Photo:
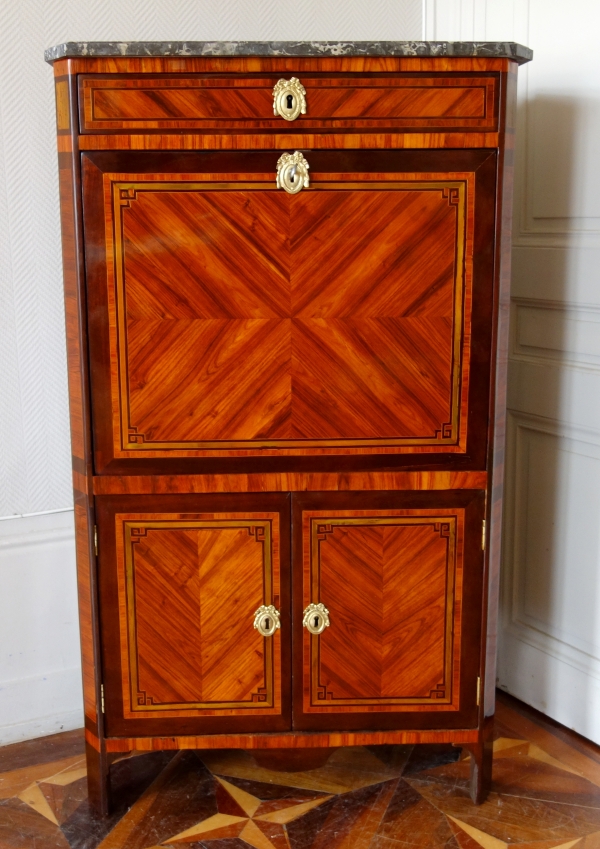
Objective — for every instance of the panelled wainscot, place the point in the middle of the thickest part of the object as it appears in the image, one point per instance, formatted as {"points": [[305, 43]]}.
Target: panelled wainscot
{"points": [[286, 284]]}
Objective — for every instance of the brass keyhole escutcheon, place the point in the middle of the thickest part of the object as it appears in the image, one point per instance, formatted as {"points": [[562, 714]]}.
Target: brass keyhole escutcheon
{"points": [[289, 99], [292, 172], [316, 618], [266, 620]]}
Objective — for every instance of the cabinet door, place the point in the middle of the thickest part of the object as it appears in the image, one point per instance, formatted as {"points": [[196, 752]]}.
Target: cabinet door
{"points": [[229, 319], [400, 578], [181, 579]]}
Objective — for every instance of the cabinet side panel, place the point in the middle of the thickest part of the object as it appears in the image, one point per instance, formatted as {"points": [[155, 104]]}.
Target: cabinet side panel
{"points": [[85, 591], [75, 307], [497, 438]]}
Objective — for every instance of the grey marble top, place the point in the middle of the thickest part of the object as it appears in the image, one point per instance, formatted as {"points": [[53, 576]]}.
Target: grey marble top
{"points": [[490, 49]]}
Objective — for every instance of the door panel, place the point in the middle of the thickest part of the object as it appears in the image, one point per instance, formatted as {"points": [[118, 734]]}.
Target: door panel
{"points": [[229, 319], [181, 580], [400, 576]]}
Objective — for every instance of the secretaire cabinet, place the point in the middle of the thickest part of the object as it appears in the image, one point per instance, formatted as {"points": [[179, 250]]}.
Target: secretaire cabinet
{"points": [[286, 283]]}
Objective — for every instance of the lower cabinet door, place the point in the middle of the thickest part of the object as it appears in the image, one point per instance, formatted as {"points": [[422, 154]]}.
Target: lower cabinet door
{"points": [[387, 609], [182, 579]]}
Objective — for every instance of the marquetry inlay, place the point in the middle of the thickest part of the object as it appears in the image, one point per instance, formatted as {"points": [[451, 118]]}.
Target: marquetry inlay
{"points": [[244, 320], [392, 581]]}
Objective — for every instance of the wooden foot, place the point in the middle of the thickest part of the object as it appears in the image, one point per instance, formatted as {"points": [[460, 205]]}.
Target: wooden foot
{"points": [[481, 764], [98, 781], [291, 760], [481, 772]]}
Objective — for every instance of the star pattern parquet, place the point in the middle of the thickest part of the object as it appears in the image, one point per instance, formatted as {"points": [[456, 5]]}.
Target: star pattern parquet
{"points": [[545, 795]]}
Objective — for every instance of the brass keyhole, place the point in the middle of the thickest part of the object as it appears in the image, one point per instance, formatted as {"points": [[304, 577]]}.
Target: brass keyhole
{"points": [[266, 620], [292, 172], [289, 99], [316, 618]]}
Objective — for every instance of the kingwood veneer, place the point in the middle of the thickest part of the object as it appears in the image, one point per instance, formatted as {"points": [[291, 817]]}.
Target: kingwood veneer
{"points": [[281, 399]]}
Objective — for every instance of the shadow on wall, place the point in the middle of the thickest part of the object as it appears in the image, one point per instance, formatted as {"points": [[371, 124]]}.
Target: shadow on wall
{"points": [[551, 571]]}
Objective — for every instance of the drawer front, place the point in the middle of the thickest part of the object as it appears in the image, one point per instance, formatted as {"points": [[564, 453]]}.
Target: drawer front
{"points": [[182, 579], [230, 319], [408, 102], [400, 577]]}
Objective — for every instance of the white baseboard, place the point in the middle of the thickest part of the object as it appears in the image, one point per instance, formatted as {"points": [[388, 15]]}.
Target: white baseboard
{"points": [[40, 669]]}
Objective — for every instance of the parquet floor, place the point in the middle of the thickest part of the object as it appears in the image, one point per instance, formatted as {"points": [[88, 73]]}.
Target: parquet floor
{"points": [[546, 795]]}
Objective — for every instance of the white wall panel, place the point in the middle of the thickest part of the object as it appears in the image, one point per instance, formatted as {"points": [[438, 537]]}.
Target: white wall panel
{"points": [[567, 274], [560, 126], [566, 128], [549, 680], [558, 593], [557, 332], [555, 390], [550, 642]]}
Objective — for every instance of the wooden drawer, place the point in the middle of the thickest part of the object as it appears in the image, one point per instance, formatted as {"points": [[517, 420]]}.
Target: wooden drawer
{"points": [[408, 102]]}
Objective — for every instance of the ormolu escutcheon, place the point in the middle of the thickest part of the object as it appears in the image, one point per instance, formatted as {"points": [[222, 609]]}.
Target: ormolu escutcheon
{"points": [[292, 172], [266, 620], [289, 99], [316, 618]]}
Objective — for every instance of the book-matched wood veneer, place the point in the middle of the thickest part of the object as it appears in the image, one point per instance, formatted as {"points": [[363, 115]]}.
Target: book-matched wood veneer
{"points": [[184, 577], [397, 573], [229, 345]]}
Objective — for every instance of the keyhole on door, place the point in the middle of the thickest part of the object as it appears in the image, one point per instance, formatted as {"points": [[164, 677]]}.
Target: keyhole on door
{"points": [[317, 622], [290, 101], [267, 624]]}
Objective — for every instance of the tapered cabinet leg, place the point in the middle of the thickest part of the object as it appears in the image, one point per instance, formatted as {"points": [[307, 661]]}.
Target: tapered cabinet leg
{"points": [[98, 780], [481, 771], [481, 764]]}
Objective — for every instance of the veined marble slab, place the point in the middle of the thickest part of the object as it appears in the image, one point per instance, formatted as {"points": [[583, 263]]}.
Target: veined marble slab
{"points": [[488, 49]]}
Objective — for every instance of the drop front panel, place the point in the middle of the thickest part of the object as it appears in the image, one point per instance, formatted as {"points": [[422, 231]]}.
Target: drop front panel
{"points": [[239, 320]]}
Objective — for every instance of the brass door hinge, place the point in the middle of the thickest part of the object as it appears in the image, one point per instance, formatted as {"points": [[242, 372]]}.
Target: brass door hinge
{"points": [[102, 698], [478, 691], [96, 540], [483, 536]]}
